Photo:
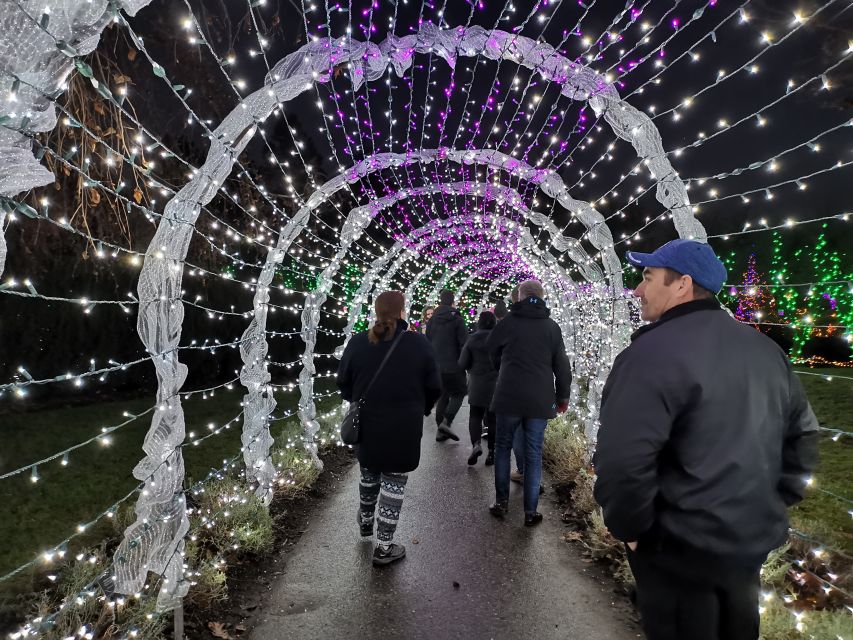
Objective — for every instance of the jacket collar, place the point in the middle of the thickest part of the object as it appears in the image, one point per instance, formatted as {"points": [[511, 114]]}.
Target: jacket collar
{"points": [[706, 304], [531, 307], [402, 325]]}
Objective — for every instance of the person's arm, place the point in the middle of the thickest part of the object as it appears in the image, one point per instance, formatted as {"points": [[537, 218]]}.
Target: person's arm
{"points": [[461, 333], [635, 425], [432, 380], [800, 448], [345, 375], [466, 359], [428, 329], [495, 343], [562, 369]]}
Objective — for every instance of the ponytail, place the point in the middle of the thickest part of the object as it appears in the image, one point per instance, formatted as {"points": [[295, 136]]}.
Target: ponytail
{"points": [[389, 305], [382, 330]]}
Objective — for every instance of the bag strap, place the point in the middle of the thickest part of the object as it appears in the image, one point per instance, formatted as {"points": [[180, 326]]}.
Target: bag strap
{"points": [[381, 365]]}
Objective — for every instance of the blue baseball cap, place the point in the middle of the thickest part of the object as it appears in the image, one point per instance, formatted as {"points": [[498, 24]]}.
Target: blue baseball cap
{"points": [[689, 258]]}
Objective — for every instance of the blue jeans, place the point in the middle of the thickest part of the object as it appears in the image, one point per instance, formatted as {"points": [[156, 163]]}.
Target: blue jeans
{"points": [[533, 432], [518, 450]]}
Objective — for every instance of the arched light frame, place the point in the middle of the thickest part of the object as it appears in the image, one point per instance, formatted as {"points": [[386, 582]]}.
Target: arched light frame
{"points": [[155, 540]]}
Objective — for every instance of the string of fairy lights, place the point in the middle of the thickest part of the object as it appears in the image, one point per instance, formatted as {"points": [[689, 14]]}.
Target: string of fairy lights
{"points": [[444, 251], [690, 100], [103, 437], [197, 118], [556, 161], [390, 110], [34, 626], [133, 205], [58, 550], [799, 181], [296, 144], [476, 64]]}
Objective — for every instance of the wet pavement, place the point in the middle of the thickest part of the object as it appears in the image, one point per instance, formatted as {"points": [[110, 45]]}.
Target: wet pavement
{"points": [[466, 575]]}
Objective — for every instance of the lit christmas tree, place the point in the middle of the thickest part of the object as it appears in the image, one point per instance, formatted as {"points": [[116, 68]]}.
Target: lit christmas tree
{"points": [[828, 302], [825, 308], [755, 303]]}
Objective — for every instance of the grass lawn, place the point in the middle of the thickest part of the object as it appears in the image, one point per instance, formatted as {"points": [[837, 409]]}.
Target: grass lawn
{"points": [[825, 517], [37, 516]]}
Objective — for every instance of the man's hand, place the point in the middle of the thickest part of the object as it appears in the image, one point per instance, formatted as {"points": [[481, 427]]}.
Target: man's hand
{"points": [[632, 545], [562, 406]]}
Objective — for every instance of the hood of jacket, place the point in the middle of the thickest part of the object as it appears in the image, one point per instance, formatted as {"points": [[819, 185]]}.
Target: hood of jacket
{"points": [[531, 307], [444, 314], [479, 337]]}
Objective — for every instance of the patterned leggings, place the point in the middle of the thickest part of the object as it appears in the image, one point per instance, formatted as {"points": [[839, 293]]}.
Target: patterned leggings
{"points": [[389, 488]]}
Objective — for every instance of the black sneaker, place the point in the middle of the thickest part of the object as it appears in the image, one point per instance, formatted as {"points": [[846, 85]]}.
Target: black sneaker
{"points": [[499, 509], [532, 519], [444, 430], [490, 458], [440, 436], [366, 528], [476, 452], [388, 555]]}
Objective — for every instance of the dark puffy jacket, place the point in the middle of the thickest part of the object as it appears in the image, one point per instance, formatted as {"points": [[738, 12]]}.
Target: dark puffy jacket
{"points": [[482, 376], [392, 415], [534, 373], [706, 436], [447, 332]]}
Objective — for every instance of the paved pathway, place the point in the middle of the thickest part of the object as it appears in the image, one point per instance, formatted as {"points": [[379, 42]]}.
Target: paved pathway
{"points": [[468, 576]]}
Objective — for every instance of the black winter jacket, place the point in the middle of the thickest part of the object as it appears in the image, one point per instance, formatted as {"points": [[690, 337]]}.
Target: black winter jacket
{"points": [[534, 373], [392, 414], [482, 375], [447, 332], [706, 436]]}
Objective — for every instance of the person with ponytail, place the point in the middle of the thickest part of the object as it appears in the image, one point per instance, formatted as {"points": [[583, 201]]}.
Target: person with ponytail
{"points": [[391, 415]]}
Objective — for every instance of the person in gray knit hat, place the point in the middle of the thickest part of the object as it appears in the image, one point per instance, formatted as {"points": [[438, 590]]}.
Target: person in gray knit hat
{"points": [[533, 384]]}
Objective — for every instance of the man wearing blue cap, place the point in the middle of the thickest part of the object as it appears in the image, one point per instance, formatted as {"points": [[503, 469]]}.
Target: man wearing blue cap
{"points": [[706, 438]]}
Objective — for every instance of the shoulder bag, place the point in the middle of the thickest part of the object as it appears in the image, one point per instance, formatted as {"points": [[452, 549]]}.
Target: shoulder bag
{"points": [[350, 428]]}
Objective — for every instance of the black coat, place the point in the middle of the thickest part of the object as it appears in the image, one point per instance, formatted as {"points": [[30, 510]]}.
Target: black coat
{"points": [[447, 332], [482, 376], [706, 436], [534, 372], [392, 415]]}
